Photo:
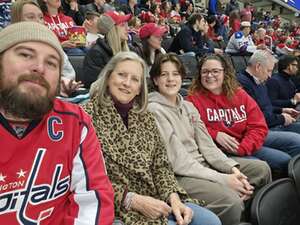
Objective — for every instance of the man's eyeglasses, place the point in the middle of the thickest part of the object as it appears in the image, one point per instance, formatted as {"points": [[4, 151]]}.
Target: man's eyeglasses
{"points": [[214, 72]]}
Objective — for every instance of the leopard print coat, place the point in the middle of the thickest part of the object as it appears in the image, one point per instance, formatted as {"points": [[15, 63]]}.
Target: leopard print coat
{"points": [[135, 158]]}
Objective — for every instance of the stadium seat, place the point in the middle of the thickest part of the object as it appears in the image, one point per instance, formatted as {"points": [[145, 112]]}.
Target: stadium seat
{"points": [[191, 65], [276, 204], [238, 62], [77, 63], [166, 43], [294, 171], [247, 59]]}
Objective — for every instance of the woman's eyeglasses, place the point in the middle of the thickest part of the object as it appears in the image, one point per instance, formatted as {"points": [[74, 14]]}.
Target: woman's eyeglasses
{"points": [[214, 72]]}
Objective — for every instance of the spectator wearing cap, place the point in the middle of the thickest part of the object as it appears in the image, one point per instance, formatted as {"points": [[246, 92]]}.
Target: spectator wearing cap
{"points": [[241, 42], [151, 36], [115, 30]]}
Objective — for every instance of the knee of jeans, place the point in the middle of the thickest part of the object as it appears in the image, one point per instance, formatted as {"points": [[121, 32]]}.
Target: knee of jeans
{"points": [[204, 216]]}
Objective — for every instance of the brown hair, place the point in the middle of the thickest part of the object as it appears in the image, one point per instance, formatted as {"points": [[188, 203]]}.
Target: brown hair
{"points": [[235, 14], [230, 84], [163, 58], [17, 9]]}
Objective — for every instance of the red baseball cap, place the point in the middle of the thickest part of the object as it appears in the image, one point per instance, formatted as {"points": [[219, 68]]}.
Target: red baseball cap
{"points": [[117, 17], [152, 29]]}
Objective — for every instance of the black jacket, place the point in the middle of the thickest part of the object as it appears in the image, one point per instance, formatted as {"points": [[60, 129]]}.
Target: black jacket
{"points": [[189, 40], [95, 60], [127, 10], [77, 16], [259, 93], [281, 89]]}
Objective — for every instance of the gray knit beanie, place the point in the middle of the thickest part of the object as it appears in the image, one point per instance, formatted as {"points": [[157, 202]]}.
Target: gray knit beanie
{"points": [[29, 31], [105, 24]]}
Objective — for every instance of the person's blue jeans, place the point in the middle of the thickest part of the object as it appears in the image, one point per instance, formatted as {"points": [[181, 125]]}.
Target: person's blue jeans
{"points": [[276, 159], [288, 142], [75, 51], [202, 216], [293, 127], [279, 147]]}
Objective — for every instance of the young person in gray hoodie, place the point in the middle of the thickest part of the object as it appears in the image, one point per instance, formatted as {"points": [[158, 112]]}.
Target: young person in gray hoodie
{"points": [[201, 168]]}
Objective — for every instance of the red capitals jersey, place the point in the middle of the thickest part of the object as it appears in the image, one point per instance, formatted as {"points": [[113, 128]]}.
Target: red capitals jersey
{"points": [[55, 173], [59, 24]]}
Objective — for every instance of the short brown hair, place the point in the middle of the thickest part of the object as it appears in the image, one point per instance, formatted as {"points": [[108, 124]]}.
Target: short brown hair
{"points": [[230, 83], [163, 58]]}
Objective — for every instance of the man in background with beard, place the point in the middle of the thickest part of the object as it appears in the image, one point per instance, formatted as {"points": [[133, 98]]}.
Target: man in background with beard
{"points": [[51, 165]]}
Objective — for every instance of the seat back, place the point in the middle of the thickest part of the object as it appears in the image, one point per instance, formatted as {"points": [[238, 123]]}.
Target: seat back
{"points": [[166, 43], [276, 204], [190, 64], [77, 63], [238, 62], [294, 172]]}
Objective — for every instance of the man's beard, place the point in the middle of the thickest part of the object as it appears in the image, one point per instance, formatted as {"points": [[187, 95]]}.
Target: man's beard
{"points": [[25, 105]]}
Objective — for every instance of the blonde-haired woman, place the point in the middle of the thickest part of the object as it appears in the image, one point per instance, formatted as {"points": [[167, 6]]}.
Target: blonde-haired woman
{"points": [[146, 191], [114, 27]]}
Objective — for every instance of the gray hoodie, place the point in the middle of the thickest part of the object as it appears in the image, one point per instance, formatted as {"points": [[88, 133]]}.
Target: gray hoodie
{"points": [[191, 151]]}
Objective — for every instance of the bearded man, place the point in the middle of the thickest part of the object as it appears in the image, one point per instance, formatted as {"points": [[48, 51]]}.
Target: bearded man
{"points": [[51, 165]]}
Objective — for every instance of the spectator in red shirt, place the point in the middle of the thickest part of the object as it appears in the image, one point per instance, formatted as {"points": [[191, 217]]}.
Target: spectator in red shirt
{"points": [[59, 23], [234, 22], [260, 38], [276, 22], [165, 9], [212, 33], [175, 14]]}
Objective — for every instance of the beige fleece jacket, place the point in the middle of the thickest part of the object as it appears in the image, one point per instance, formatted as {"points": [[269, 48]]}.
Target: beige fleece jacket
{"points": [[190, 148]]}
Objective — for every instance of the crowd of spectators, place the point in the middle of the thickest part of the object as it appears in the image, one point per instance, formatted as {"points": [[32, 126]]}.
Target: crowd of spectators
{"points": [[227, 24]]}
